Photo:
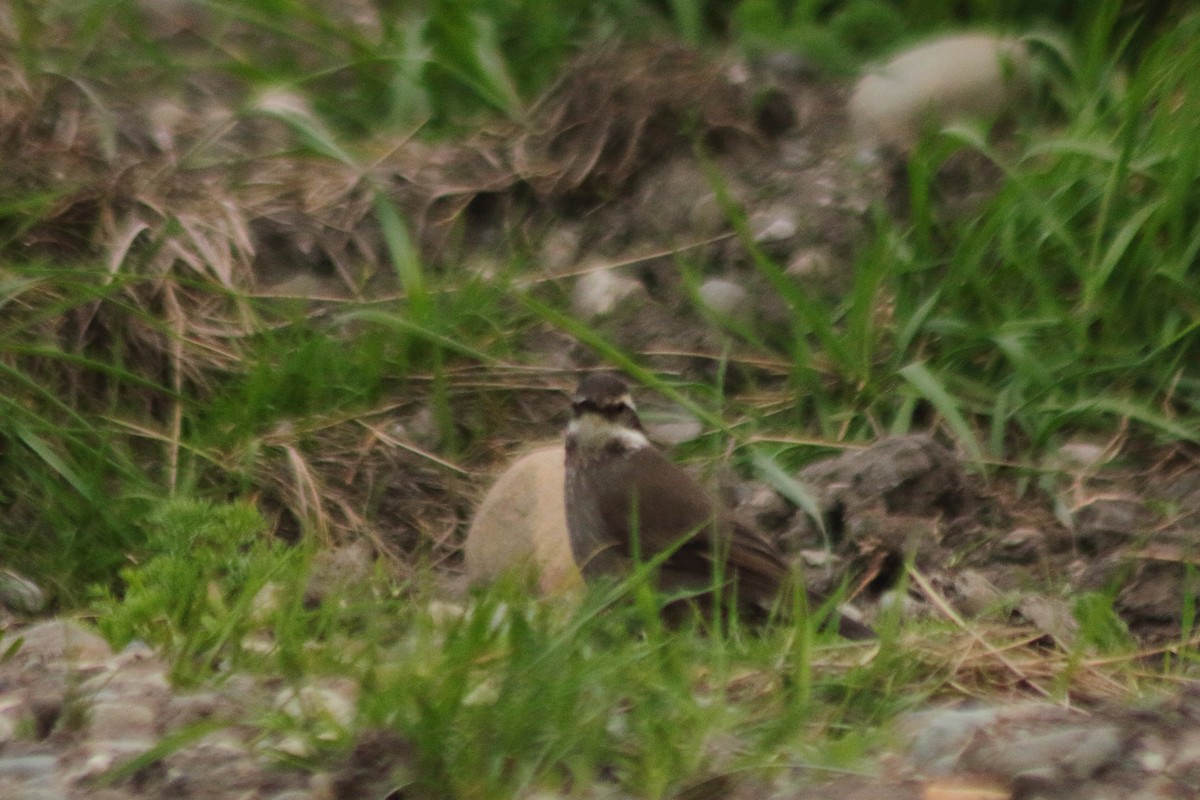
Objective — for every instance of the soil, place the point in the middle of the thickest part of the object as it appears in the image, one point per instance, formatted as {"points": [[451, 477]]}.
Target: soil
{"points": [[608, 183]]}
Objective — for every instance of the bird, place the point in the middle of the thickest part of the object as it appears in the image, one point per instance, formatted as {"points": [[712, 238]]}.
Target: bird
{"points": [[627, 502]]}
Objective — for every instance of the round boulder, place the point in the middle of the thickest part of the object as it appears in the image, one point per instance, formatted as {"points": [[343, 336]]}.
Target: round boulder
{"points": [[522, 525]]}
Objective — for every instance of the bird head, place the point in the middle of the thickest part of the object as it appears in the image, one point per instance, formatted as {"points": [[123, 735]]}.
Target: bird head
{"points": [[604, 417]]}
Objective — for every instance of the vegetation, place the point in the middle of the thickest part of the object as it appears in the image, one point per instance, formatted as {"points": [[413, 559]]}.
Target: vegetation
{"points": [[172, 441]]}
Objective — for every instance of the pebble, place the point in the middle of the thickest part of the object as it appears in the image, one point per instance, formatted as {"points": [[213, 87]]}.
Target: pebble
{"points": [[1050, 615], [45, 790], [29, 768], [766, 507], [121, 721], [772, 225], [293, 794], [560, 247], [1081, 455], [1074, 753], [810, 266], [706, 217], [975, 593], [670, 424], [1022, 546], [335, 700], [59, 640], [18, 593], [602, 291], [1106, 522], [725, 298]]}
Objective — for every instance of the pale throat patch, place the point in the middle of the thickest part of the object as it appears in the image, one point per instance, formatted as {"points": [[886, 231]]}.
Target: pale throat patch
{"points": [[592, 431]]}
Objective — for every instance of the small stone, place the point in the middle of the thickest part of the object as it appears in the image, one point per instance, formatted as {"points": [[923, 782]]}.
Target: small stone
{"points": [[265, 603], [670, 426], [321, 784], [59, 640], [18, 593], [103, 754], [38, 790], [1022, 546], [294, 745], [1152, 760], [810, 266], [725, 298], [937, 738], [706, 217], [421, 429], [602, 291], [560, 247], [28, 768], [975, 593], [336, 569], [293, 794], [187, 709], [1051, 616], [772, 226], [766, 508], [333, 699], [817, 558], [1107, 522], [121, 721], [1081, 455], [1074, 752]]}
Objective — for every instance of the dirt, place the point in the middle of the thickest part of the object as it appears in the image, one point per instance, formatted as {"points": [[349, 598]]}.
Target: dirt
{"points": [[606, 180]]}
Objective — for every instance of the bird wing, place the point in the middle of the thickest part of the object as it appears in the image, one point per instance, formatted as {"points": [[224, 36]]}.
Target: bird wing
{"points": [[667, 504], [653, 499]]}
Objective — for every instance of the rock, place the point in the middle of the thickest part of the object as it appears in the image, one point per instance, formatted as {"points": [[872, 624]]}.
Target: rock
{"points": [[1153, 594], [1081, 455], [1107, 522], [706, 217], [1022, 546], [669, 424], [560, 247], [1070, 753], [293, 794], [59, 640], [18, 593], [522, 524], [725, 298], [975, 593], [818, 273], [764, 508], [935, 738], [28, 768], [332, 699], [1052, 616], [772, 225], [602, 291], [187, 709], [948, 79], [901, 474], [338, 568], [121, 721]]}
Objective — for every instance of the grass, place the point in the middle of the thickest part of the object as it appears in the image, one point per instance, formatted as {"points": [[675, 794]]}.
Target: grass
{"points": [[175, 447]]}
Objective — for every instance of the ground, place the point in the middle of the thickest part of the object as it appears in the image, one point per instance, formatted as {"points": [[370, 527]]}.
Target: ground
{"points": [[634, 226]]}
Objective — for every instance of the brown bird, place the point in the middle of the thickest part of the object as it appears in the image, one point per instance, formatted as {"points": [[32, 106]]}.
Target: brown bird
{"points": [[626, 502]]}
